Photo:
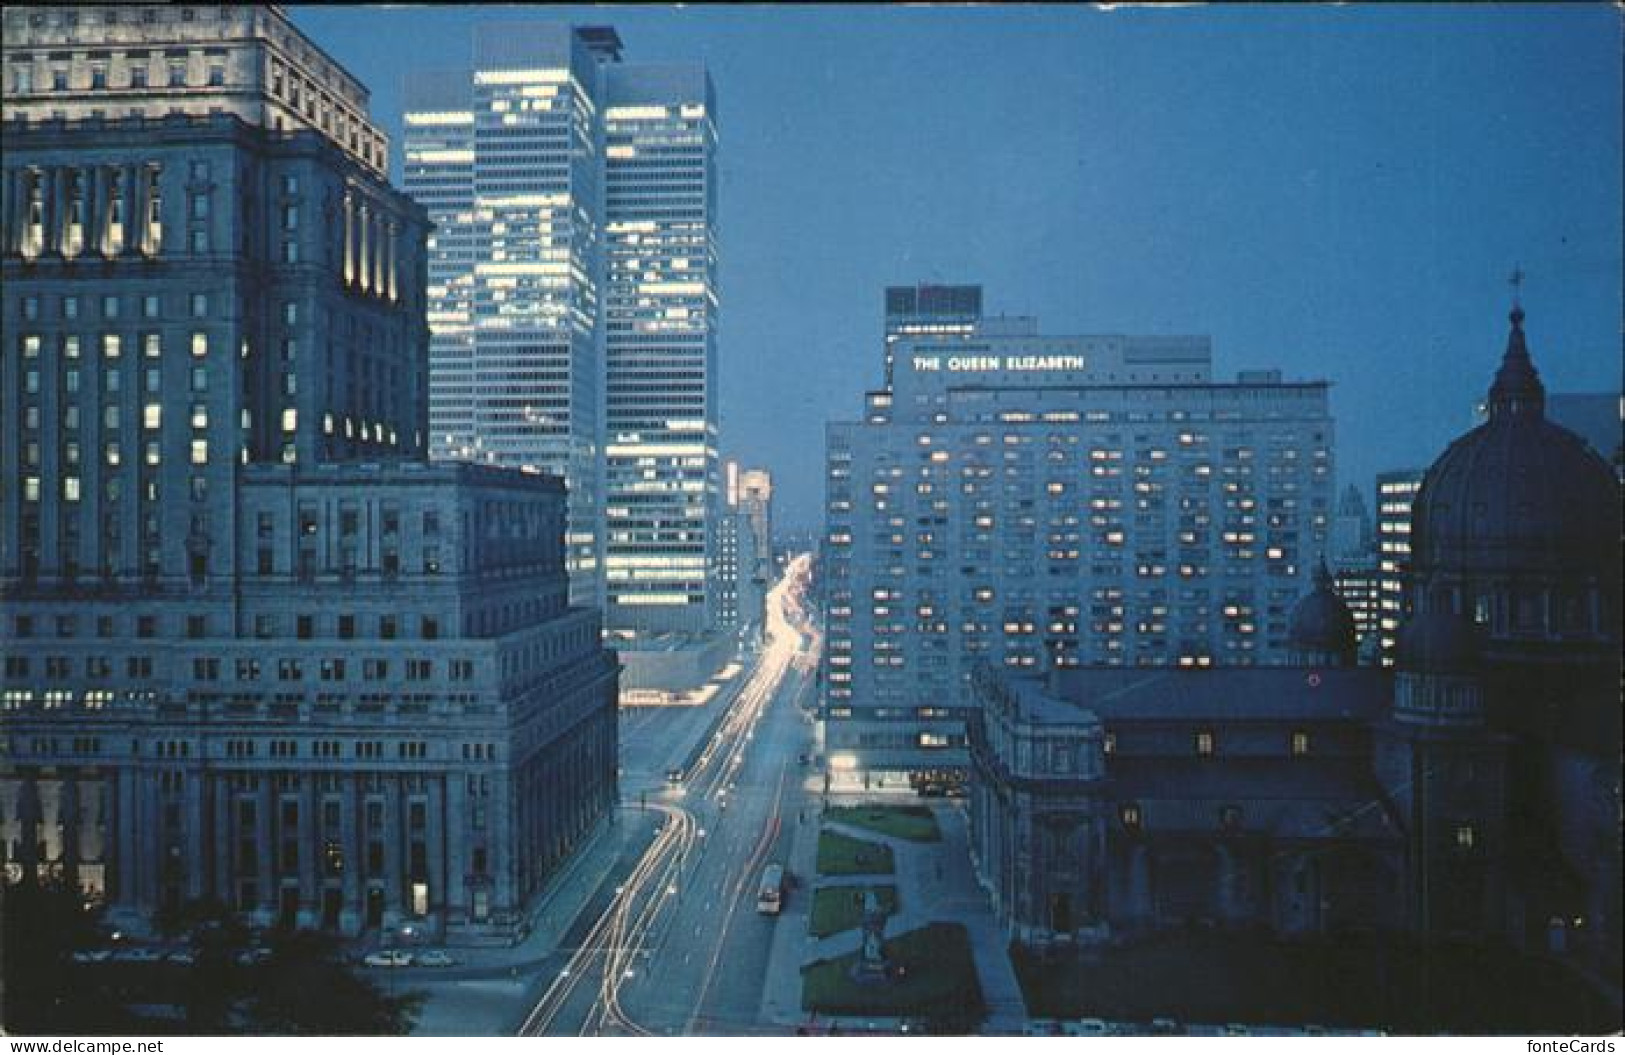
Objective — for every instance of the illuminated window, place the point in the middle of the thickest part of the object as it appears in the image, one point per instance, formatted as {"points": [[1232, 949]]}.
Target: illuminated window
{"points": [[1130, 816], [1300, 744], [1466, 837], [1204, 743]]}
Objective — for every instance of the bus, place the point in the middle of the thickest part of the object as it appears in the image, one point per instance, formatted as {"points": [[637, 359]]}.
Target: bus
{"points": [[770, 894]]}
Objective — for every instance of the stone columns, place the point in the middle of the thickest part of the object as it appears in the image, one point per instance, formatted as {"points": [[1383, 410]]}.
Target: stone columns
{"points": [[390, 243], [363, 262], [349, 238], [353, 914], [435, 845]]}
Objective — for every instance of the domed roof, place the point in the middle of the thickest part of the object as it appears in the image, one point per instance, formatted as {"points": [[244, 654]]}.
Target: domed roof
{"points": [[1440, 642], [1321, 622], [1518, 493]]}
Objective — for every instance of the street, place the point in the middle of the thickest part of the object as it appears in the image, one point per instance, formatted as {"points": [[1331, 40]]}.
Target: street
{"points": [[680, 948]]}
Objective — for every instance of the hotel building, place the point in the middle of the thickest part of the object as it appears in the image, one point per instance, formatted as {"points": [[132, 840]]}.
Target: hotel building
{"points": [[1031, 501]]}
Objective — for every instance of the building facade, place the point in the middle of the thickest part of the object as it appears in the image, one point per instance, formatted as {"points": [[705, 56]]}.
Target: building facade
{"points": [[573, 286], [662, 475], [928, 311], [1396, 492], [255, 647], [1029, 500]]}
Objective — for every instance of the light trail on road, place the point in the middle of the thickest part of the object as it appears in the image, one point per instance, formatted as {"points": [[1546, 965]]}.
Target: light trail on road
{"points": [[617, 939]]}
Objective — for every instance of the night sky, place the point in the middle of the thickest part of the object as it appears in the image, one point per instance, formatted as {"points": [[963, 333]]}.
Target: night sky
{"points": [[1338, 192]]}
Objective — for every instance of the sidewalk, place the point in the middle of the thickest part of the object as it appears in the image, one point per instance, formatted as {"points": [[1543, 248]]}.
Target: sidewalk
{"points": [[934, 883]]}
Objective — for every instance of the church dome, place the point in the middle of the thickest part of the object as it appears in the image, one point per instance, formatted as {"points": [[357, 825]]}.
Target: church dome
{"points": [[1321, 622], [1439, 642], [1518, 495]]}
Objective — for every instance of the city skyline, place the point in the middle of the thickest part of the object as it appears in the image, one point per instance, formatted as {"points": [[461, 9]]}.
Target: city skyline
{"points": [[1372, 184]]}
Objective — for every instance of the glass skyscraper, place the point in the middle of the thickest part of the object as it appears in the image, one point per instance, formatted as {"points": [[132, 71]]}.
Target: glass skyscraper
{"points": [[572, 285], [661, 475]]}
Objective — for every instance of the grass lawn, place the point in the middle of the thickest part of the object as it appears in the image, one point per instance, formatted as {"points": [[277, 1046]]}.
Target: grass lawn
{"points": [[914, 823], [838, 908], [841, 855], [1347, 983], [934, 976]]}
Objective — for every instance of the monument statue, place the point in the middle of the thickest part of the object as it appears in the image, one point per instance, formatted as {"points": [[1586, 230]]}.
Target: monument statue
{"points": [[871, 965]]}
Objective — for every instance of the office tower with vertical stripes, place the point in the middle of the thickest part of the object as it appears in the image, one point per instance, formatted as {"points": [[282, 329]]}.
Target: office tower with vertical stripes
{"points": [[660, 317], [573, 300]]}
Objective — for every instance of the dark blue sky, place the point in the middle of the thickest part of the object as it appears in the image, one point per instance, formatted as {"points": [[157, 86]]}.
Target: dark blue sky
{"points": [[1339, 192]]}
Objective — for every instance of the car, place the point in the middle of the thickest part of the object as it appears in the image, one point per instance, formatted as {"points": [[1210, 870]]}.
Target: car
{"points": [[1236, 1029], [137, 956], [1042, 1027], [91, 955], [434, 958], [1085, 1027], [181, 957], [1165, 1027], [253, 957], [388, 958]]}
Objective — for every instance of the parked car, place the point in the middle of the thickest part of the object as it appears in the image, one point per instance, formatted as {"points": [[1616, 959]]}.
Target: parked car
{"points": [[253, 956], [434, 958], [91, 955], [1165, 1027], [388, 958], [181, 957], [1085, 1027], [137, 956]]}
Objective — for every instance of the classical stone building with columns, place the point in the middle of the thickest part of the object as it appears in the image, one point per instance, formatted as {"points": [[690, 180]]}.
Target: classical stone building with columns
{"points": [[256, 648]]}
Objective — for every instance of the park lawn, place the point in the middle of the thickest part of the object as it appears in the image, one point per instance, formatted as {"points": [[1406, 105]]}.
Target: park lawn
{"points": [[1352, 982], [838, 908], [914, 823], [934, 976], [842, 855]]}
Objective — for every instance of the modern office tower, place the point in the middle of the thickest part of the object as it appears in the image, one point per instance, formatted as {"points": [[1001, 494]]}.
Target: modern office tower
{"points": [[660, 319], [731, 524], [523, 254], [573, 291], [922, 310], [438, 172], [1396, 490], [256, 647], [756, 499], [1031, 501], [1360, 587], [1352, 542], [746, 560]]}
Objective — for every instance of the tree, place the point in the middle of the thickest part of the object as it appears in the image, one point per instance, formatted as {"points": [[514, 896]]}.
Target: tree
{"points": [[307, 988]]}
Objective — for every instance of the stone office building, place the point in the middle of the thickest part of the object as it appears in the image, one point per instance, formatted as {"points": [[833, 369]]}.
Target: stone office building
{"points": [[255, 647]]}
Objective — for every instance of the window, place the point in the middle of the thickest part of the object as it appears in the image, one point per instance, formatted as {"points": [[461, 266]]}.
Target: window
{"points": [[1466, 837], [138, 76], [217, 76], [1300, 744], [200, 310], [110, 307], [200, 343], [1204, 743], [1130, 816], [177, 74], [149, 308]]}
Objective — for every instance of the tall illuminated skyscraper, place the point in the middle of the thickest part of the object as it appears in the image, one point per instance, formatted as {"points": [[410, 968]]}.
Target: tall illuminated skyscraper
{"points": [[573, 300], [1396, 490], [660, 315], [511, 163]]}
